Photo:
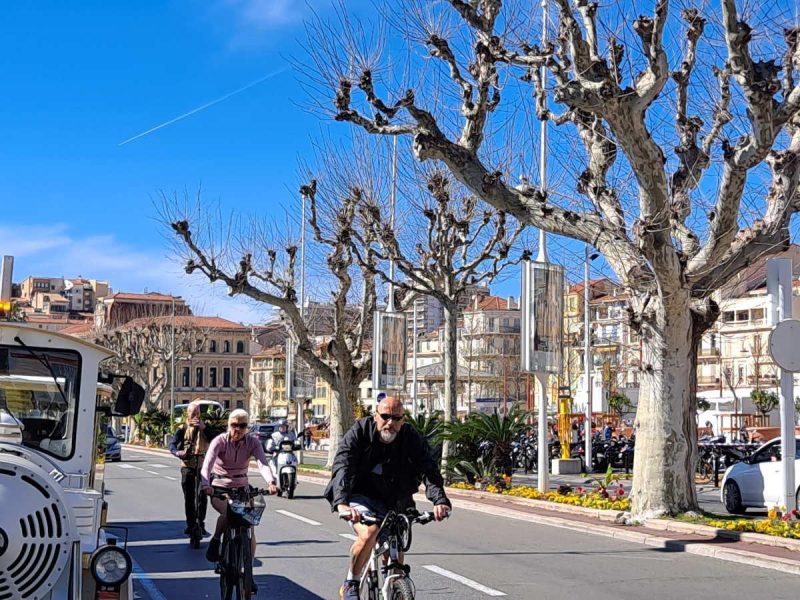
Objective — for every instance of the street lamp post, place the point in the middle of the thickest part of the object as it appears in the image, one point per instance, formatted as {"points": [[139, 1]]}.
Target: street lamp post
{"points": [[587, 358]]}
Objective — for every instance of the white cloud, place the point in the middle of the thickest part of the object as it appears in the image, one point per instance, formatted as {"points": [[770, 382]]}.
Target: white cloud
{"points": [[51, 251], [266, 14], [28, 240]]}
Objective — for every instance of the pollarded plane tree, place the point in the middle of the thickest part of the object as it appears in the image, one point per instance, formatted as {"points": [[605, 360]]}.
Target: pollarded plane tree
{"points": [[457, 242], [145, 348], [250, 263], [689, 139]]}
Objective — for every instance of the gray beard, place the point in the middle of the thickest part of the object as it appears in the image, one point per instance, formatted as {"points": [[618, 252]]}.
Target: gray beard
{"points": [[388, 436]]}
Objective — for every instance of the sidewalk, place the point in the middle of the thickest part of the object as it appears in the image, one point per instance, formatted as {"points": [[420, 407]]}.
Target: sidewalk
{"points": [[672, 536]]}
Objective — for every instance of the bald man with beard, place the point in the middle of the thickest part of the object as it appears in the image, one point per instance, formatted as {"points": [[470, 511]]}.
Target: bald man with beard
{"points": [[377, 468]]}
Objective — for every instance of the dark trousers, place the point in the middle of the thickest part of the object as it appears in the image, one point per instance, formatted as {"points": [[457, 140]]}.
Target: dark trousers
{"points": [[188, 485]]}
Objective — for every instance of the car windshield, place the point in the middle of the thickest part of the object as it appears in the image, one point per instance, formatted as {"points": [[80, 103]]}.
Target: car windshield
{"points": [[33, 395]]}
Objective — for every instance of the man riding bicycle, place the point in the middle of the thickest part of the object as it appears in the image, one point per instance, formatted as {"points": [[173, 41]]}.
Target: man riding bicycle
{"points": [[378, 467], [190, 443], [225, 470]]}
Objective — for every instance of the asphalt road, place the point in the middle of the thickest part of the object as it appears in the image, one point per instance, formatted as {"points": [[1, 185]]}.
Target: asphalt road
{"points": [[302, 553]]}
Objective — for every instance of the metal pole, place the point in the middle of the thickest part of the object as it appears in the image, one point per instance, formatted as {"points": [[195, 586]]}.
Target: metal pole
{"points": [[587, 361], [543, 139], [779, 289], [543, 464], [543, 480], [414, 408], [172, 365], [392, 201], [302, 312]]}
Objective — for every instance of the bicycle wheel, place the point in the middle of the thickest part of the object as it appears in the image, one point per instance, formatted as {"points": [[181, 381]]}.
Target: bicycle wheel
{"points": [[225, 585], [402, 589], [246, 571], [234, 568]]}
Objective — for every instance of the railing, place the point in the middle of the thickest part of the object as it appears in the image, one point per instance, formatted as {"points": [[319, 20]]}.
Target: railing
{"points": [[708, 352]]}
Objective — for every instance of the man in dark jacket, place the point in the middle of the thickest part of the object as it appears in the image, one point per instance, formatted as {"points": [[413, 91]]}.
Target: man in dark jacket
{"points": [[377, 468], [189, 443]]}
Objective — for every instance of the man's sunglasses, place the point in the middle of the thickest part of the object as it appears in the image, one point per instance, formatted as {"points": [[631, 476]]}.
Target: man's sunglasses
{"points": [[390, 417], [239, 425]]}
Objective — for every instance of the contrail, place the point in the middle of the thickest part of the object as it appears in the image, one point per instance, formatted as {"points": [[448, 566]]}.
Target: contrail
{"points": [[204, 106]]}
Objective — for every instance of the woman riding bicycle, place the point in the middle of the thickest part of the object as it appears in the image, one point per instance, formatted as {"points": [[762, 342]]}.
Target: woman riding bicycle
{"points": [[225, 470]]}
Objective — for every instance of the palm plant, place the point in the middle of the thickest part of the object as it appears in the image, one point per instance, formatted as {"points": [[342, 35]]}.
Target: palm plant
{"points": [[430, 427], [500, 431]]}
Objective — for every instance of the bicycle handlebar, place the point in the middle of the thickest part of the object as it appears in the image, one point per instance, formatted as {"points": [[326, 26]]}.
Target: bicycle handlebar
{"points": [[421, 518]]}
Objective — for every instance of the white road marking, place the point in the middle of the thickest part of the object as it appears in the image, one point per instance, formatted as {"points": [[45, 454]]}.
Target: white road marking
{"points": [[130, 467], [154, 466], [286, 513], [348, 536], [170, 478], [463, 580], [153, 472], [146, 582], [183, 540]]}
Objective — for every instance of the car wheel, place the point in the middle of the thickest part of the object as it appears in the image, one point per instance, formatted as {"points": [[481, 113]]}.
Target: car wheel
{"points": [[732, 498]]}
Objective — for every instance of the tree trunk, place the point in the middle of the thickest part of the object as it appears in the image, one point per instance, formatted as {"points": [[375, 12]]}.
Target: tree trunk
{"points": [[663, 481], [450, 371], [344, 398]]}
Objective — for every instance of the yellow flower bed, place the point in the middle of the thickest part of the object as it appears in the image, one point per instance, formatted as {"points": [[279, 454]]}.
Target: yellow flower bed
{"points": [[586, 500], [776, 524]]}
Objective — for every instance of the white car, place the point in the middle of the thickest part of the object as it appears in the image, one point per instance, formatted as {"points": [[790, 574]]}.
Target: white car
{"points": [[757, 481]]}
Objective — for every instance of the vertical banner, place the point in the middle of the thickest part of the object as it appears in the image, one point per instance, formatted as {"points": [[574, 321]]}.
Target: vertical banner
{"points": [[389, 351], [542, 313], [300, 380]]}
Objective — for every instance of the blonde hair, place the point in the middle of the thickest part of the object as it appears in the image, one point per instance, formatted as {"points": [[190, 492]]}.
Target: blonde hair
{"points": [[238, 414]]}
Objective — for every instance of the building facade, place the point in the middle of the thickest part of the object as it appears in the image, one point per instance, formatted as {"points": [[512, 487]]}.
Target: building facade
{"points": [[268, 384], [117, 309]]}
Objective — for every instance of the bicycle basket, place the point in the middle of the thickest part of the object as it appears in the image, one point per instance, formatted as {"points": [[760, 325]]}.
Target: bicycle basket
{"points": [[247, 513]]}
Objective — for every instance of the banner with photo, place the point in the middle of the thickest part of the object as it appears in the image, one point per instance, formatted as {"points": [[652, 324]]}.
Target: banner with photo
{"points": [[542, 311], [389, 351]]}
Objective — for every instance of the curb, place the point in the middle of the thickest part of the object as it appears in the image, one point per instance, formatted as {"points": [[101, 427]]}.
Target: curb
{"points": [[713, 532]]}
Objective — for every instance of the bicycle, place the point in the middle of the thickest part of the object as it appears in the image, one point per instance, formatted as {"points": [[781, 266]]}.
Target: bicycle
{"points": [[235, 565], [390, 581]]}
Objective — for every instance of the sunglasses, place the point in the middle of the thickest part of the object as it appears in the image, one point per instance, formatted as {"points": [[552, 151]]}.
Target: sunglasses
{"points": [[239, 425], [391, 417]]}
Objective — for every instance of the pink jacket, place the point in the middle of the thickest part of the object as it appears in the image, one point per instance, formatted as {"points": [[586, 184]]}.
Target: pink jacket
{"points": [[229, 461]]}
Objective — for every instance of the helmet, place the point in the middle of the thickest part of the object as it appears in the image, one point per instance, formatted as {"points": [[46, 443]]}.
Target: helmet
{"points": [[283, 423]]}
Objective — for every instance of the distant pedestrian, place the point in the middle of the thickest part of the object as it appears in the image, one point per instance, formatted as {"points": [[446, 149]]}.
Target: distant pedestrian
{"points": [[307, 438]]}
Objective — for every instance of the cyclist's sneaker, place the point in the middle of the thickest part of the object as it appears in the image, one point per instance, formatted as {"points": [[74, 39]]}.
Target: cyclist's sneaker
{"points": [[212, 553], [349, 591]]}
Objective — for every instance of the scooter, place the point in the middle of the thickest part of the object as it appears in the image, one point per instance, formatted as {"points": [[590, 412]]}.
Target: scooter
{"points": [[286, 467]]}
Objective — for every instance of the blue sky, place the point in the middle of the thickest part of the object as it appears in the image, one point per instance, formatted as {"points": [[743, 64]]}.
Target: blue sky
{"points": [[79, 78]]}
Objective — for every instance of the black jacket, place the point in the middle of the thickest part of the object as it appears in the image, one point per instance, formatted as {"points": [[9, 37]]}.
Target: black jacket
{"points": [[179, 442], [404, 464]]}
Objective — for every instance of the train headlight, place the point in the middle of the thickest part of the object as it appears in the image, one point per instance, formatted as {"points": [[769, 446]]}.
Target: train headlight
{"points": [[110, 565]]}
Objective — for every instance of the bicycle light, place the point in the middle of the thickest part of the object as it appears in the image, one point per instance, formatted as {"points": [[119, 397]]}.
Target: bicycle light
{"points": [[110, 565]]}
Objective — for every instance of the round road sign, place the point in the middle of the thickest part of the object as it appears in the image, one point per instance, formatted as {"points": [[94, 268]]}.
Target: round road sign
{"points": [[784, 345]]}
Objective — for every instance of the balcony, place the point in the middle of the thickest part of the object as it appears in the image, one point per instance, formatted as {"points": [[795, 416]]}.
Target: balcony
{"points": [[707, 381], [708, 352]]}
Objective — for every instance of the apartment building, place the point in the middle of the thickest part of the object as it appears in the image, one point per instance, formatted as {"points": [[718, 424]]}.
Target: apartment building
{"points": [[268, 383], [490, 353], [117, 309], [33, 285], [615, 348], [221, 371]]}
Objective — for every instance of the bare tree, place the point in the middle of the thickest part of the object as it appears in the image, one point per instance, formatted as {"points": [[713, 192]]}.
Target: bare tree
{"points": [[460, 246], [338, 358], [145, 348], [671, 237]]}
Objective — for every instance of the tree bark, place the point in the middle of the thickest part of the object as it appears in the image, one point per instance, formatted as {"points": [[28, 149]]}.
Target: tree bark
{"points": [[665, 428], [450, 370], [344, 397]]}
